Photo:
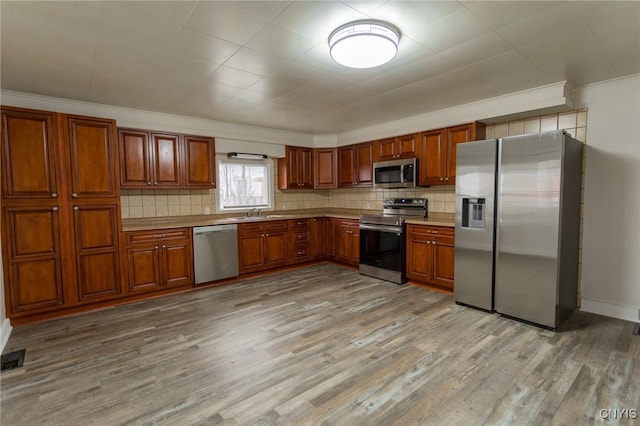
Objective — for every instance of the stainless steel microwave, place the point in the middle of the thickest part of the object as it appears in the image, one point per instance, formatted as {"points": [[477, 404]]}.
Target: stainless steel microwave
{"points": [[395, 173]]}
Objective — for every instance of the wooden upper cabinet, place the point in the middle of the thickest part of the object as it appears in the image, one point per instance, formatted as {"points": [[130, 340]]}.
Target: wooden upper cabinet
{"points": [[431, 160], [396, 148], [364, 163], [325, 167], [437, 152], [29, 154], [165, 154], [135, 158], [92, 157], [295, 170], [199, 162], [356, 165]]}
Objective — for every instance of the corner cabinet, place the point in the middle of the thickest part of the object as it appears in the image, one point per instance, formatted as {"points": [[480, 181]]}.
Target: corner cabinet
{"points": [[159, 259], [437, 152], [430, 254], [355, 165]]}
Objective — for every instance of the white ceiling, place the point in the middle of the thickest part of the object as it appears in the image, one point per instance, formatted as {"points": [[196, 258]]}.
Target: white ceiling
{"points": [[266, 63]]}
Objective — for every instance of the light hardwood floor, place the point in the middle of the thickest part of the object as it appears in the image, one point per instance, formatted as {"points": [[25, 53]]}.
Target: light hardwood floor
{"points": [[318, 345]]}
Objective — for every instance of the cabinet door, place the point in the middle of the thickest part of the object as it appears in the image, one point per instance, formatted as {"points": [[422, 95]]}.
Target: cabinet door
{"points": [[144, 268], [28, 154], [330, 238], [325, 168], [432, 157], [135, 159], [385, 149], [444, 254], [305, 167], [275, 247], [32, 259], [354, 247], [200, 170], [292, 172], [97, 251], [344, 245], [92, 153], [364, 164], [419, 257], [166, 160], [347, 169], [455, 135], [177, 263], [317, 236], [251, 253], [407, 146]]}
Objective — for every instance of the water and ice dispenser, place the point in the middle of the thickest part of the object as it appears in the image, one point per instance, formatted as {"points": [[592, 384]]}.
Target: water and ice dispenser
{"points": [[473, 212]]}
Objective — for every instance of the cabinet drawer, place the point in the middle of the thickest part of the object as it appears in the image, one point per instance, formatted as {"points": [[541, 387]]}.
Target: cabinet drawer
{"points": [[446, 240], [295, 224], [300, 253], [139, 237], [278, 225], [300, 236], [430, 231], [251, 229]]}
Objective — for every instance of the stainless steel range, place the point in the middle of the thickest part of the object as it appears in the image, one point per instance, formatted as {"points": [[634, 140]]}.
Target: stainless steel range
{"points": [[382, 238]]}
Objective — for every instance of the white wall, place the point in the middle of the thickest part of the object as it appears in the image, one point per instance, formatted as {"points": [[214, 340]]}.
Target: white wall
{"points": [[611, 228]]}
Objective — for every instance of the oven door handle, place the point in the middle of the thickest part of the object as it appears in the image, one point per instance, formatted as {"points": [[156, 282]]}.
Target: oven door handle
{"points": [[382, 228]]}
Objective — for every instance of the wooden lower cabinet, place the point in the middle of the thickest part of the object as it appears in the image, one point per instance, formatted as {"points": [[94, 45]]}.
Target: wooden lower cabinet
{"points": [[348, 242], [262, 245], [32, 259], [159, 260], [430, 254], [317, 235], [97, 255], [300, 240]]}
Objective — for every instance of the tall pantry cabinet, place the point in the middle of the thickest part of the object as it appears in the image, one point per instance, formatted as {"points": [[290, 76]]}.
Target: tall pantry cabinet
{"points": [[60, 211]]}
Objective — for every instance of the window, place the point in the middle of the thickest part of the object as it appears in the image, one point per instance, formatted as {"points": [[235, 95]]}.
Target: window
{"points": [[244, 184]]}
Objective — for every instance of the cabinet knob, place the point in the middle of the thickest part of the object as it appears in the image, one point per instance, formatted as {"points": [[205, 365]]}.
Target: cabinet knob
{"points": [[149, 183], [155, 247], [75, 208], [212, 183], [266, 235], [446, 179], [74, 195], [155, 183], [164, 246], [54, 195], [55, 208], [441, 179]]}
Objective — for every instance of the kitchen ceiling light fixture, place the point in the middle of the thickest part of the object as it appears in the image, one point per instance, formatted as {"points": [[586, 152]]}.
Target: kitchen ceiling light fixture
{"points": [[364, 44]]}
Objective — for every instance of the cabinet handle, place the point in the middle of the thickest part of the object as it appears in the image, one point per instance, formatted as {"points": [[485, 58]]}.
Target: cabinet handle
{"points": [[55, 209], [155, 183], [266, 235], [155, 247], [446, 179], [164, 246], [75, 208], [74, 195], [212, 183], [54, 195], [148, 182]]}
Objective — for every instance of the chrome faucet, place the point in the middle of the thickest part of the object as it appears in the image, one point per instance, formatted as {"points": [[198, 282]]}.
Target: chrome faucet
{"points": [[253, 210]]}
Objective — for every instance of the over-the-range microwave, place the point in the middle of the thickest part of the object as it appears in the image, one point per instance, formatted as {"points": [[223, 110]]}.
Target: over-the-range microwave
{"points": [[395, 173]]}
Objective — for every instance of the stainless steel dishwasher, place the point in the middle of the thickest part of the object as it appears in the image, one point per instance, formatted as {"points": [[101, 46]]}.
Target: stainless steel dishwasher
{"points": [[215, 252]]}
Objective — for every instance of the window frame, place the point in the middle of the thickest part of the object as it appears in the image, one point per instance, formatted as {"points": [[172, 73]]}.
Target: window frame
{"points": [[269, 185]]}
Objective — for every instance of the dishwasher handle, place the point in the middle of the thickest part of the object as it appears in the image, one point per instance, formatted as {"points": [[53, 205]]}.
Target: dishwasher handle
{"points": [[214, 228]]}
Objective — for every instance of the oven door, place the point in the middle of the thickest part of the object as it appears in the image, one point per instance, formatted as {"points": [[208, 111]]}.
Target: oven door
{"points": [[382, 252]]}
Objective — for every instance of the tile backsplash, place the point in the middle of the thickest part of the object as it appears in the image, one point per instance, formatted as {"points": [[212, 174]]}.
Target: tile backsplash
{"points": [[163, 203]]}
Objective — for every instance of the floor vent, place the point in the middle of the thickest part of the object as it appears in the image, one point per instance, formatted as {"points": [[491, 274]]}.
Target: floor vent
{"points": [[636, 330], [12, 360]]}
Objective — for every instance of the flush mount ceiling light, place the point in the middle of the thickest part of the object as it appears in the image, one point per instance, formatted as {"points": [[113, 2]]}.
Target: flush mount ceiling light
{"points": [[364, 44]]}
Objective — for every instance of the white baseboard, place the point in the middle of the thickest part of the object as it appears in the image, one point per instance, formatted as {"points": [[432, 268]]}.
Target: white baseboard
{"points": [[623, 312], [5, 331]]}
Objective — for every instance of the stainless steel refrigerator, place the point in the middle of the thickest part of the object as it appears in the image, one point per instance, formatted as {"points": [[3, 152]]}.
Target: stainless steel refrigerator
{"points": [[517, 226]]}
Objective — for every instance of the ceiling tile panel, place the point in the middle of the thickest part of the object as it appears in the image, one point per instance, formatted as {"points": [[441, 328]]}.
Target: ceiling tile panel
{"points": [[233, 77], [280, 42]]}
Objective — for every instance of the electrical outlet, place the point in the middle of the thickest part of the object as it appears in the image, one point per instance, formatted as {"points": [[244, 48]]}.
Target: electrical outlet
{"points": [[368, 205], [207, 210]]}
